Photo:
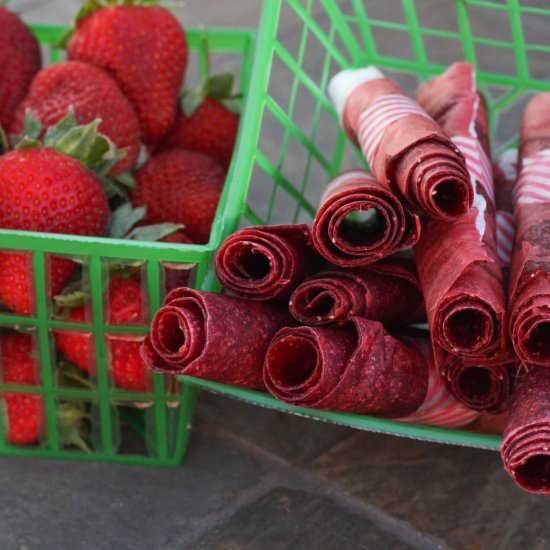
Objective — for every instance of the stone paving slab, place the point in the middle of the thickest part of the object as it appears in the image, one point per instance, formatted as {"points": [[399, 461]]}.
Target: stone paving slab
{"points": [[287, 519], [61, 505], [296, 440], [458, 495]]}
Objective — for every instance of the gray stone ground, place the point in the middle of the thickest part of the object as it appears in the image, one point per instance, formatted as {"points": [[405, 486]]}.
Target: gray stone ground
{"points": [[258, 480]]}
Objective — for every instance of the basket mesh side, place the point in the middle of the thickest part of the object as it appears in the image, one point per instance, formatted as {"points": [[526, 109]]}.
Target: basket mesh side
{"points": [[301, 145]]}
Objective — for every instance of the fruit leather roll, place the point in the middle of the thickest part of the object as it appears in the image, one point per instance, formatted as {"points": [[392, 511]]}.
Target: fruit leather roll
{"points": [[525, 447], [457, 261], [212, 336], [387, 291], [360, 221], [530, 268], [405, 148], [480, 387], [492, 423], [440, 407], [359, 368], [266, 262], [488, 387]]}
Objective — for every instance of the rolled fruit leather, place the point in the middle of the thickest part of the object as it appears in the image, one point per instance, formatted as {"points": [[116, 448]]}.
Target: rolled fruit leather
{"points": [[362, 369], [479, 386], [406, 150], [530, 269], [525, 447], [213, 336], [457, 261], [387, 291], [266, 262], [385, 228], [489, 387]]}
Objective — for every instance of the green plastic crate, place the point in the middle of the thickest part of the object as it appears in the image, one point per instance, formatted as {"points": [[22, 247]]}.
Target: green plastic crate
{"points": [[163, 424], [292, 143]]}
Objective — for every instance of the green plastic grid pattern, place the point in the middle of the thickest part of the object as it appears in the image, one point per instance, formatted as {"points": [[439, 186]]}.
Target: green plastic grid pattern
{"points": [[292, 140], [164, 424]]}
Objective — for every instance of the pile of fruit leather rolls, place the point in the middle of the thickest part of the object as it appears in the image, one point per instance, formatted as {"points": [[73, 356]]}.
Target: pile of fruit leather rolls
{"points": [[463, 285], [525, 449], [427, 235]]}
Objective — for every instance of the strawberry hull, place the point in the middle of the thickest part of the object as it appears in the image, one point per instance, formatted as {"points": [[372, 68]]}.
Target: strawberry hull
{"points": [[92, 94]]}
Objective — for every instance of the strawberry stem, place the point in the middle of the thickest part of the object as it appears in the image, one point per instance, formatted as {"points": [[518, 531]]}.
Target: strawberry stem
{"points": [[68, 374], [84, 143], [4, 145], [69, 419], [218, 87]]}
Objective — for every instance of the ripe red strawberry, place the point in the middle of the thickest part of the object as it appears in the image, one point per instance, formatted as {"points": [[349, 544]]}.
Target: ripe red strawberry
{"points": [[125, 307], [211, 129], [181, 187], [25, 413], [92, 94], [179, 237], [145, 49], [44, 190], [20, 61]]}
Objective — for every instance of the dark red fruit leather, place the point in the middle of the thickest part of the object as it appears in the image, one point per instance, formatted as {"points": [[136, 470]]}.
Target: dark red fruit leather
{"points": [[525, 448], [266, 262], [348, 243], [481, 387], [414, 156], [212, 336], [359, 368], [530, 269], [457, 261], [492, 423], [387, 291]]}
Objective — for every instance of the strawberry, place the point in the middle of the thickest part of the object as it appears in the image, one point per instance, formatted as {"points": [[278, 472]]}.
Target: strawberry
{"points": [[211, 129], [179, 237], [125, 307], [42, 189], [144, 48], [92, 94], [20, 61], [181, 187], [207, 121], [24, 411]]}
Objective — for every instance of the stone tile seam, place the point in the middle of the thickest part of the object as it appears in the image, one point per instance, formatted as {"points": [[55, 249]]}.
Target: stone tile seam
{"points": [[290, 476]]}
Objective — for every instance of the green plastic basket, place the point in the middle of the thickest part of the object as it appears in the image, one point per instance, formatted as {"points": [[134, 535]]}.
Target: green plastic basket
{"points": [[162, 424], [292, 143]]}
